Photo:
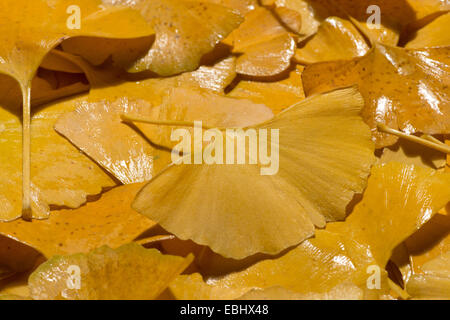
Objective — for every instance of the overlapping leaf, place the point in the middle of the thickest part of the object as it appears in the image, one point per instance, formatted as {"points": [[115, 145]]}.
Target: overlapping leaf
{"points": [[404, 89], [398, 200], [322, 163]]}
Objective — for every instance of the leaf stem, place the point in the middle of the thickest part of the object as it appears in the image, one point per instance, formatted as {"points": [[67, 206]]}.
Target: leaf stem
{"points": [[26, 154], [128, 118], [428, 142]]}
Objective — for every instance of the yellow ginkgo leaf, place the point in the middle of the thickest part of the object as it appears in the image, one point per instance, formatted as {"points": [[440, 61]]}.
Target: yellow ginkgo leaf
{"points": [[380, 20], [129, 272], [277, 95], [412, 153], [325, 154], [185, 31], [243, 6], [403, 89], [109, 221], [56, 62], [434, 283], [435, 34], [264, 45], [398, 200], [27, 37], [428, 248], [336, 39], [340, 292], [425, 8], [61, 175]]}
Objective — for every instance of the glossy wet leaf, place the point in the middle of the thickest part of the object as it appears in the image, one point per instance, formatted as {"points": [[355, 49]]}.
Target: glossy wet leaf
{"points": [[404, 89], [107, 221], [15, 257], [264, 46], [394, 15], [306, 190], [185, 31], [277, 95], [129, 272], [336, 39], [399, 199], [61, 175]]}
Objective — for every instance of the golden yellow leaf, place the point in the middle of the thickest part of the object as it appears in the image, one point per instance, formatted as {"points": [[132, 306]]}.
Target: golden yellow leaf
{"points": [[398, 200], [425, 8], [428, 248], [322, 163], [264, 45], [109, 221], [61, 175], [404, 89], [340, 292], [277, 95], [412, 153], [243, 6], [394, 15], [129, 272], [185, 31], [435, 34], [336, 39], [27, 37]]}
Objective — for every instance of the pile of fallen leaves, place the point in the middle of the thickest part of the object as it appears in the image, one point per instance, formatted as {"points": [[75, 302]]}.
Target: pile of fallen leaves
{"points": [[92, 207]]}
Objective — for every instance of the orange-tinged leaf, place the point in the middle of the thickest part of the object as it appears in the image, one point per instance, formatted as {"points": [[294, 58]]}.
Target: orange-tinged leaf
{"points": [[425, 8], [109, 221], [435, 34], [265, 46], [15, 257], [129, 272], [185, 31], [243, 6], [404, 89], [305, 191], [336, 39], [277, 95], [398, 200]]}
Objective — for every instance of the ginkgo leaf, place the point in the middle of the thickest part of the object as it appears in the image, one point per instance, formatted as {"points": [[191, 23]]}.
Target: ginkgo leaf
{"points": [[56, 62], [435, 282], [109, 221], [61, 175], [264, 45], [413, 153], [340, 292], [277, 95], [129, 272], [435, 34], [121, 52], [243, 6], [26, 39], [398, 200], [425, 8], [428, 248], [291, 19], [336, 39], [394, 15], [15, 257], [97, 129], [185, 31], [325, 154], [404, 89]]}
